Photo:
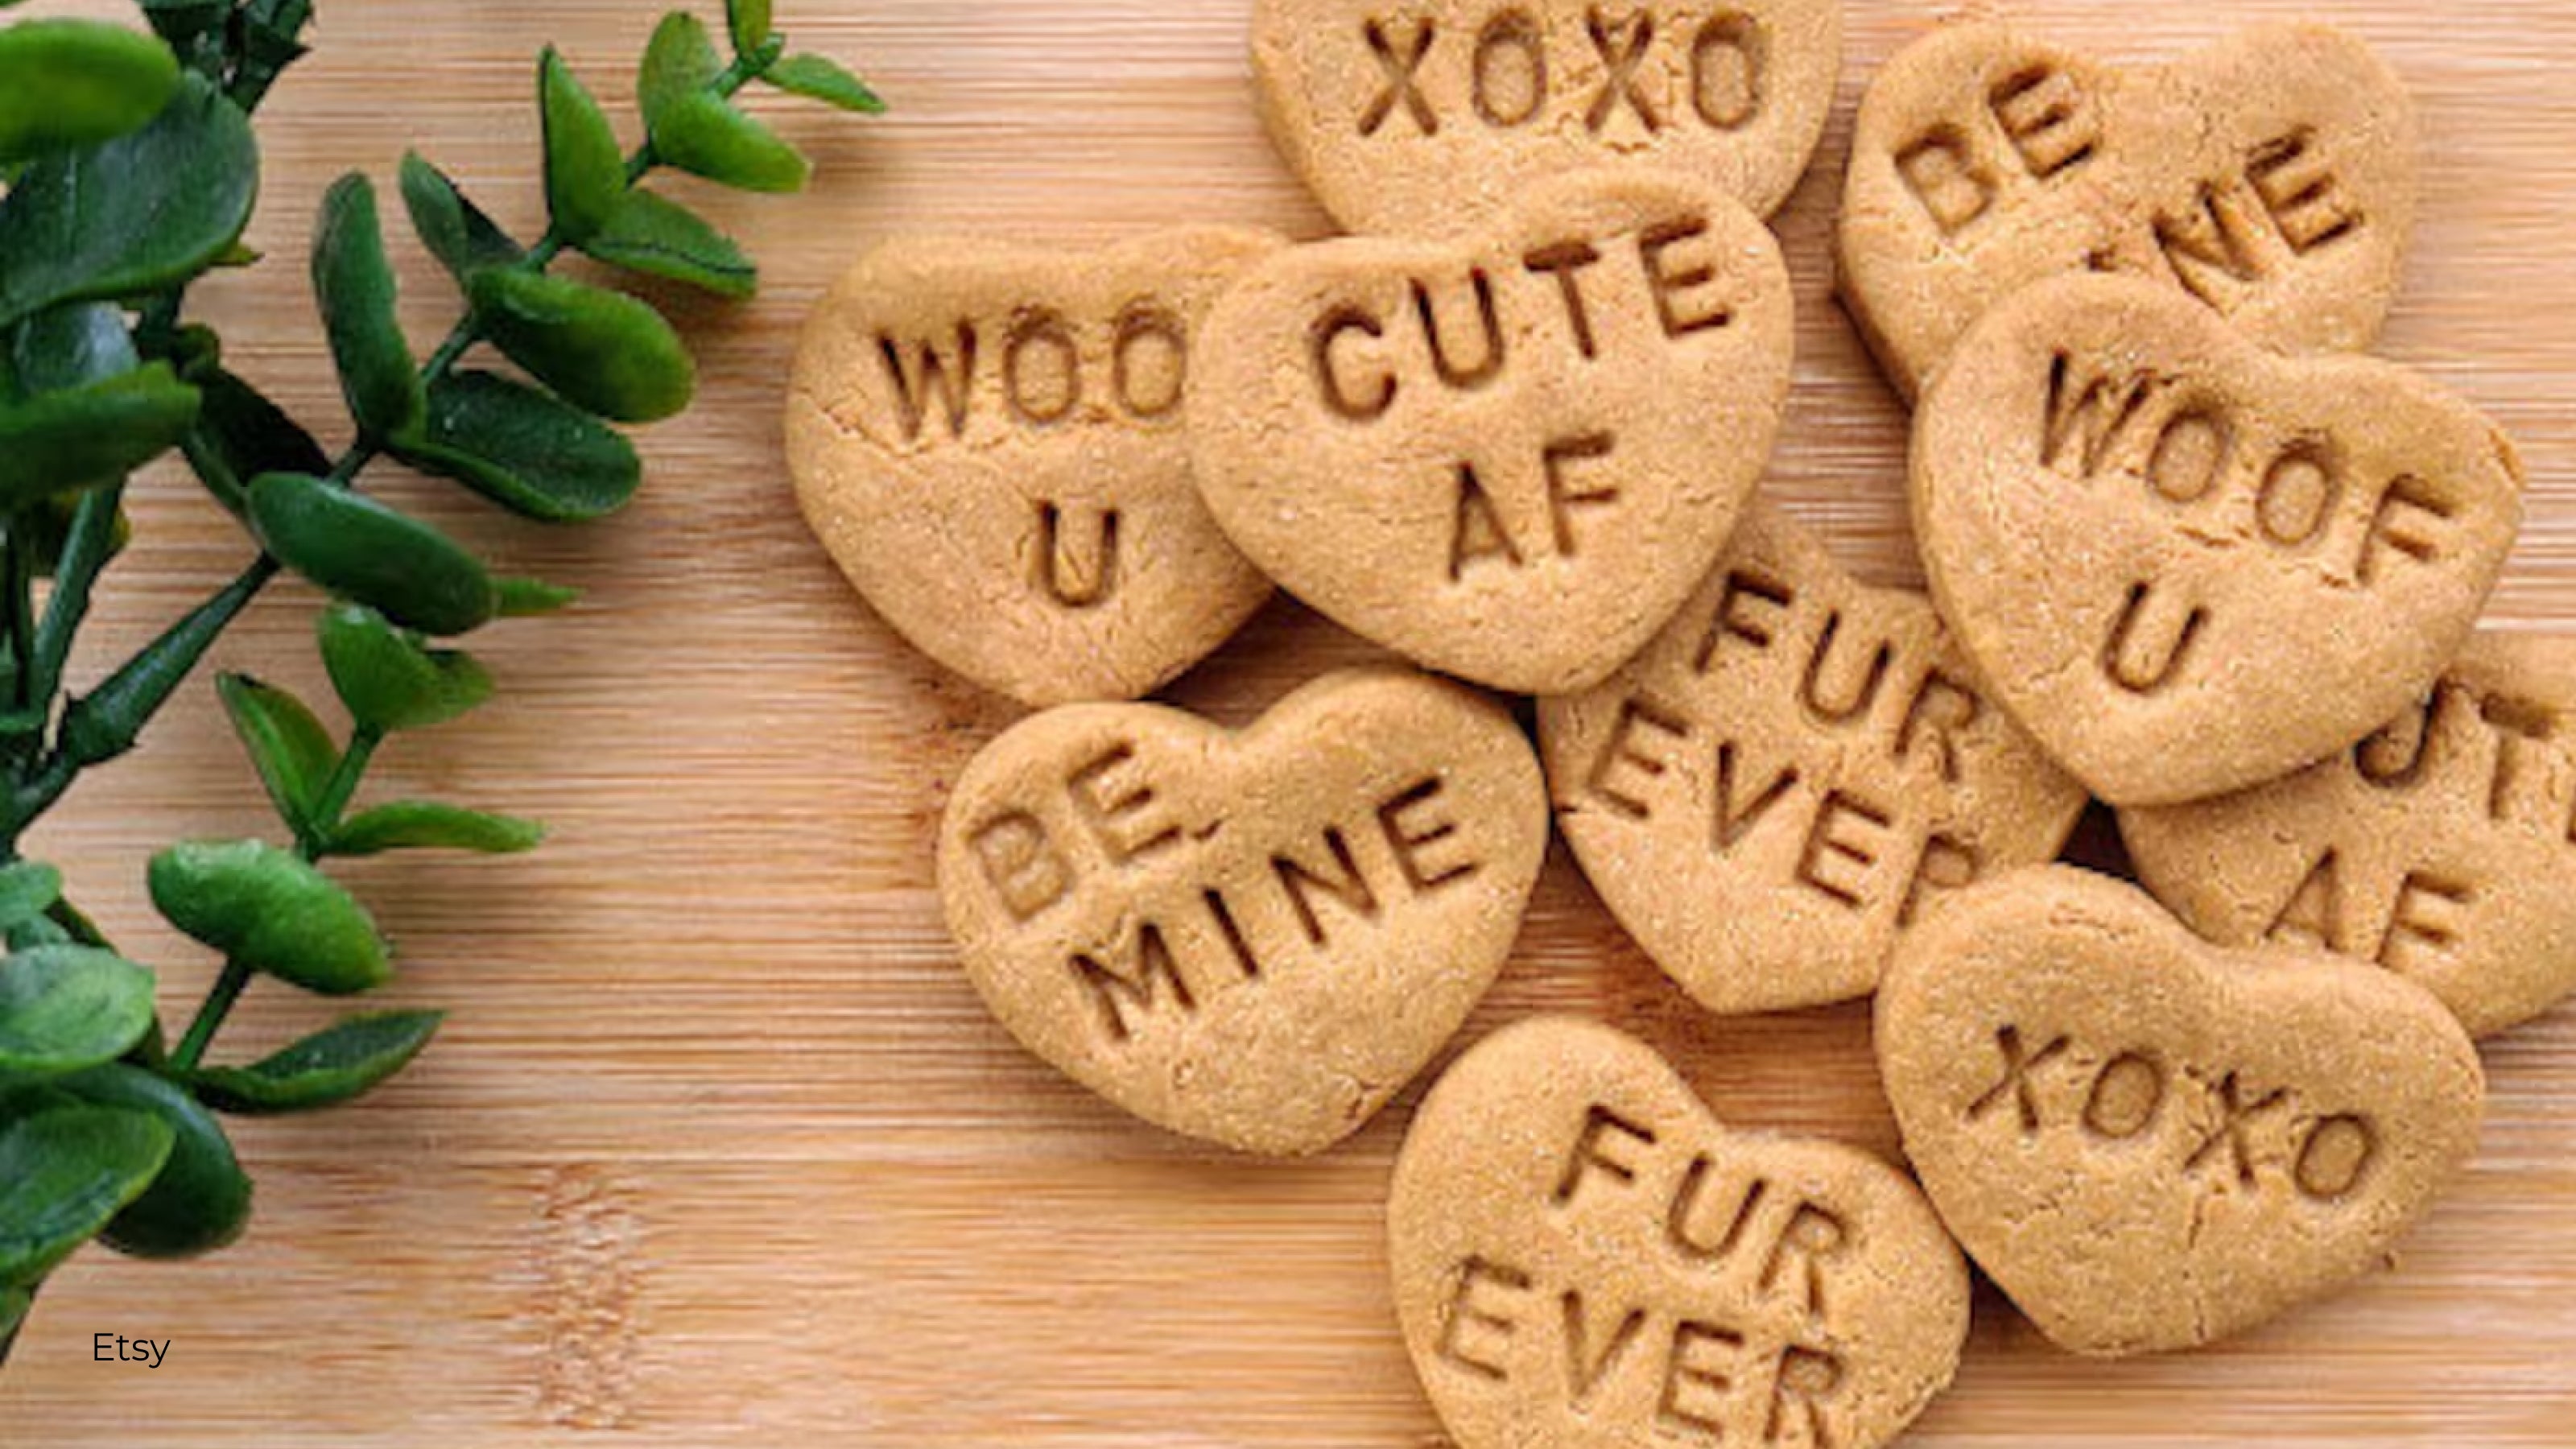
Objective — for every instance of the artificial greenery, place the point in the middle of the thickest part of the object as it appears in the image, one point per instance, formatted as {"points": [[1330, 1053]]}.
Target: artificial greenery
{"points": [[128, 168]]}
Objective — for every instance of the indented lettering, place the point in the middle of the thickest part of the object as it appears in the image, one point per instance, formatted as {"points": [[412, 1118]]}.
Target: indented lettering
{"points": [[2137, 663], [2048, 117], [1053, 368], [1290, 899], [1400, 69], [1611, 70], [2092, 408], [1078, 566], [1714, 1372], [1946, 179], [1480, 533], [2228, 1134], [930, 373]]}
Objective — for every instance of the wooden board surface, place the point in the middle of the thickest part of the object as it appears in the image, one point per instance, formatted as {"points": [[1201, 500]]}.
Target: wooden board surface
{"points": [[719, 1148]]}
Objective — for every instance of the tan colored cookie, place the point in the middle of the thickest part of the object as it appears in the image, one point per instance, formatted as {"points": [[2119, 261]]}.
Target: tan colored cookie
{"points": [[1773, 791], [1584, 1259], [1508, 456], [2151, 1143], [2188, 565], [1425, 116], [1253, 938], [990, 440], [2272, 175], [2443, 847]]}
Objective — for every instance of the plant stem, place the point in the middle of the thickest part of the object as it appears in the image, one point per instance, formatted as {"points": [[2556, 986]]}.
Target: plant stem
{"points": [[218, 1004], [170, 658]]}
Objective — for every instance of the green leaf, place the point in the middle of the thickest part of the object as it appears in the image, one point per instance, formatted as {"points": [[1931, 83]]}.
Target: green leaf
{"points": [[293, 753], [361, 549], [658, 236], [240, 434], [67, 83], [679, 61], [73, 345], [453, 228], [332, 1066], [267, 909], [271, 32], [63, 1008], [194, 28], [28, 889], [426, 825], [89, 436], [389, 680], [15, 1304], [820, 78], [694, 129], [526, 450], [601, 350], [64, 1173], [524, 598], [748, 22], [585, 167], [131, 216], [200, 1200], [355, 286]]}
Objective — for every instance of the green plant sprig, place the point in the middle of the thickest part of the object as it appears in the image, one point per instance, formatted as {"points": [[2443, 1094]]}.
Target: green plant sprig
{"points": [[128, 168]]}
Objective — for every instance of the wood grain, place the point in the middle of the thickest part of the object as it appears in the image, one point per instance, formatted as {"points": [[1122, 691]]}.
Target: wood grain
{"points": [[719, 1148]]}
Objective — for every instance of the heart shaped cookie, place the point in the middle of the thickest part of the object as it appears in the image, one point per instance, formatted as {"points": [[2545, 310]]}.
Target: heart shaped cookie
{"points": [[2272, 176], [1773, 792], [1584, 1259], [990, 439], [2150, 1142], [1425, 116], [1251, 938], [2440, 848], [2188, 565], [1509, 456]]}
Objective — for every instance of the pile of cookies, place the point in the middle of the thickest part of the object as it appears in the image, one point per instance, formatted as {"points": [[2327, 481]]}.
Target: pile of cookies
{"points": [[2189, 555]]}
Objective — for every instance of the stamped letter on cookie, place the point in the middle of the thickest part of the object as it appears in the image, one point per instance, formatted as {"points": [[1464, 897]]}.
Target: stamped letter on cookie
{"points": [[1252, 938], [2186, 564], [1509, 455]]}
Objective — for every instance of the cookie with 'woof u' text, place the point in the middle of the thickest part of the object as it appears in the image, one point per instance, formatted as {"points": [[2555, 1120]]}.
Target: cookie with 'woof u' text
{"points": [[1509, 454], [1584, 1259], [2442, 848], [1254, 938], [2273, 176], [2188, 564], [990, 439], [1797, 766], [1427, 116], [2150, 1142]]}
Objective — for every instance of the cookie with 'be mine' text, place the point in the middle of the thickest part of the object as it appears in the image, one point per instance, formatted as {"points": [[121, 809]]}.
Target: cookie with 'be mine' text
{"points": [[1427, 116], [991, 440], [2272, 176], [2150, 1142], [2187, 564], [1775, 790], [2442, 848], [1583, 1258], [1509, 455], [1254, 938]]}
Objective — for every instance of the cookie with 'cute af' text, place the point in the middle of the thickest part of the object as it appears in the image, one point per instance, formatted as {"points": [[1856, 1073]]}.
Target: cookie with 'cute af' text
{"points": [[2272, 176], [1510, 454], [2150, 1142], [1584, 1259], [1254, 938], [990, 439], [2188, 564], [1426, 116], [1797, 766], [2443, 847]]}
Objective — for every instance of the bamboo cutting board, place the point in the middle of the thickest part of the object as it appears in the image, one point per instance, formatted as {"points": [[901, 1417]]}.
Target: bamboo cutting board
{"points": [[718, 1147]]}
